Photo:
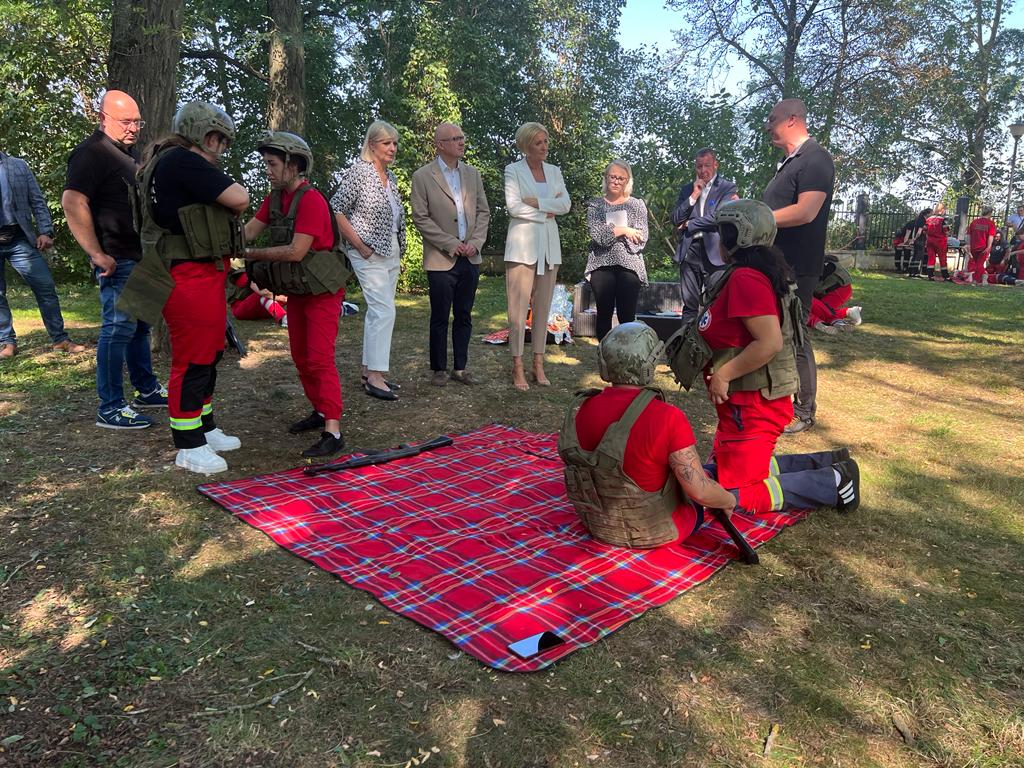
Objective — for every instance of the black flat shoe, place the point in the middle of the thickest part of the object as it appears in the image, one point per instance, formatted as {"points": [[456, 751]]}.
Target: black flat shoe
{"points": [[390, 384], [382, 394], [308, 424], [327, 445]]}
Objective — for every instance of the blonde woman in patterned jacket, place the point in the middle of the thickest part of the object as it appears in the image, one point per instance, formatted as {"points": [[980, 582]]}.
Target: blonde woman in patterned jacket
{"points": [[372, 220]]}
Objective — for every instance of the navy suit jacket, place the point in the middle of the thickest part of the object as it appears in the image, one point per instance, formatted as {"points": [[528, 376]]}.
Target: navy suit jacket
{"points": [[27, 199], [688, 215]]}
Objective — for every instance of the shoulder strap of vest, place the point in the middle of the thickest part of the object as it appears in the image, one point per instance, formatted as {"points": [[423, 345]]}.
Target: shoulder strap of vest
{"points": [[618, 432], [294, 207], [144, 189], [567, 437], [716, 288]]}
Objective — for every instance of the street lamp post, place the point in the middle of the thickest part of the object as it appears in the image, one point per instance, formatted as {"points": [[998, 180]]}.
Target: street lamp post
{"points": [[1016, 130]]}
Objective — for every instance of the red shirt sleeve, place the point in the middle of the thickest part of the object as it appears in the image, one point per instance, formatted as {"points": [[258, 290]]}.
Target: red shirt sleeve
{"points": [[749, 294], [314, 218], [263, 214]]}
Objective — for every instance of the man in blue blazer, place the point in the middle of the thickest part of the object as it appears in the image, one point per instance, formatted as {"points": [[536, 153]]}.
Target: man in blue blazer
{"points": [[694, 217], [21, 201]]}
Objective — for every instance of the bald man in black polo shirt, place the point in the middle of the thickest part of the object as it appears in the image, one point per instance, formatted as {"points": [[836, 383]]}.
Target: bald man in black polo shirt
{"points": [[800, 196]]}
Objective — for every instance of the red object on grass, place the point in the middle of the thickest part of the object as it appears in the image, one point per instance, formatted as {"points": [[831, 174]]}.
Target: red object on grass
{"points": [[478, 542]]}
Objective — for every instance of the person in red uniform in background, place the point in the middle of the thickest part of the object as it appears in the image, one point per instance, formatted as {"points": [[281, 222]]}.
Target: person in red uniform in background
{"points": [[313, 316], [743, 327], [250, 302], [835, 288], [981, 234], [937, 242]]}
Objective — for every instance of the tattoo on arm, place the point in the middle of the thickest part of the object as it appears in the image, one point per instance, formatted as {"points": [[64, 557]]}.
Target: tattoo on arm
{"points": [[687, 468]]}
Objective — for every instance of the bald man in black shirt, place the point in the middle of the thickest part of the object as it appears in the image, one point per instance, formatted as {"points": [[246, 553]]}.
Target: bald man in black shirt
{"points": [[800, 196]]}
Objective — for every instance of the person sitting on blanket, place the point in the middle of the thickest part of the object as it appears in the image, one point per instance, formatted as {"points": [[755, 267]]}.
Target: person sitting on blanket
{"points": [[833, 290], [250, 302], [632, 469]]}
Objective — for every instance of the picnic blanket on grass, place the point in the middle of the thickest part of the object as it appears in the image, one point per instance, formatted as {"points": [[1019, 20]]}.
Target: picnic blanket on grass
{"points": [[477, 541]]}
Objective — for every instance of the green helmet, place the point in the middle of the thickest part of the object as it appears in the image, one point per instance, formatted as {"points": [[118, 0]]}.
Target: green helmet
{"points": [[198, 118], [289, 143], [628, 353], [754, 222]]}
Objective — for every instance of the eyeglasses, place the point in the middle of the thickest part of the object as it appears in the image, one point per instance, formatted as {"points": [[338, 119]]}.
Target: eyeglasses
{"points": [[454, 138], [126, 123], [620, 179]]}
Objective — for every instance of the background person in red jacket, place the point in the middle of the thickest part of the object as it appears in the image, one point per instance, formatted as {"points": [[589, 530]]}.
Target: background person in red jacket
{"points": [[981, 234], [937, 242]]}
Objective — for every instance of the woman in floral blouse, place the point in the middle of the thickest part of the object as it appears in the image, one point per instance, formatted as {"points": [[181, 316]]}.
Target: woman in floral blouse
{"points": [[617, 224]]}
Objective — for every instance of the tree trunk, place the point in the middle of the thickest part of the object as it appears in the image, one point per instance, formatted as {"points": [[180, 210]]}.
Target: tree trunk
{"points": [[145, 38], [287, 108]]}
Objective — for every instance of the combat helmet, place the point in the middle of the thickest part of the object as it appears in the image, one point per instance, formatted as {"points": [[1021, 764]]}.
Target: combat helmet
{"points": [[198, 118], [626, 355], [754, 222], [289, 143]]}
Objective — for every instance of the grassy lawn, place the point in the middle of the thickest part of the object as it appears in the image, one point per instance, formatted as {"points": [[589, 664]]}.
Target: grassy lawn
{"points": [[891, 637]]}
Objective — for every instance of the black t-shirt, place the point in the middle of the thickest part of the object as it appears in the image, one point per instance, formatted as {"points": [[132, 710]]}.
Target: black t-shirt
{"points": [[184, 178], [810, 170], [104, 172], [997, 254]]}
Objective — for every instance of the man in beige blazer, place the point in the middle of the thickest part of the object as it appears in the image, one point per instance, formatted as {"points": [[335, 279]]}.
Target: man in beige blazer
{"points": [[449, 208]]}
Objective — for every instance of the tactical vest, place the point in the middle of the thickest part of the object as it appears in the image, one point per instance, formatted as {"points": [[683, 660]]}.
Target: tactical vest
{"points": [[613, 508], [210, 233], [689, 355], [836, 278], [317, 272]]}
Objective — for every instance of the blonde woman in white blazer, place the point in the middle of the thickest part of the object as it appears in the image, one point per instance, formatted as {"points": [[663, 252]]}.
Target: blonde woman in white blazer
{"points": [[534, 194]]}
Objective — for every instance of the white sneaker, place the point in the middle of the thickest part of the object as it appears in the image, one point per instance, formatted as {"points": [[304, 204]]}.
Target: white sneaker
{"points": [[202, 460], [853, 316], [826, 328], [984, 280], [217, 440]]}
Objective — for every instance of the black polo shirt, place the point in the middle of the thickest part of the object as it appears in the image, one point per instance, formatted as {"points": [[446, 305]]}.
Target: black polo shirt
{"points": [[104, 171], [182, 178], [809, 170]]}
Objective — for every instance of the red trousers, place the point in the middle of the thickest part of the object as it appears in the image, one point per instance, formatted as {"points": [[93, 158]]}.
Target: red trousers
{"points": [[744, 444], [976, 264], [312, 332], [937, 250], [256, 307], [830, 306], [196, 316]]}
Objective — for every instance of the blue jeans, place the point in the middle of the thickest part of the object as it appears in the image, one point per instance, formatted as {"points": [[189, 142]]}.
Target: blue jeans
{"points": [[30, 264], [122, 340]]}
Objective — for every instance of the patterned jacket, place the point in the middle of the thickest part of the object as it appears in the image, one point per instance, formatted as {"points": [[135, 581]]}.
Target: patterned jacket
{"points": [[364, 202], [26, 198]]}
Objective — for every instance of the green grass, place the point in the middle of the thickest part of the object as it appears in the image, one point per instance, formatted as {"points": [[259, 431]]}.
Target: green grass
{"points": [[140, 603]]}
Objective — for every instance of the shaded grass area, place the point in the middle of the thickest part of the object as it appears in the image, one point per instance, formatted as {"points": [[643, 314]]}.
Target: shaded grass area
{"points": [[892, 637]]}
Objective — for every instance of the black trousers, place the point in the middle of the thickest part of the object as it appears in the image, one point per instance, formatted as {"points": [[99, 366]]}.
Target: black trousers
{"points": [[452, 293], [694, 272], [805, 403], [616, 290]]}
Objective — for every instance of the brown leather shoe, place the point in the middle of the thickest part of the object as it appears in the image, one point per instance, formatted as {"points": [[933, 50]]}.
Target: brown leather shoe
{"points": [[68, 347], [8, 350], [464, 377], [439, 378]]}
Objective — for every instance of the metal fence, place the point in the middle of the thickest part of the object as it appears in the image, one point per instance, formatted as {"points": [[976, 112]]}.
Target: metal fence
{"points": [[859, 226]]}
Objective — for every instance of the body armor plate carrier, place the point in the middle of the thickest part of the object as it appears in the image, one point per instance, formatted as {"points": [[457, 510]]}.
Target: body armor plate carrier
{"points": [[688, 354], [613, 508], [210, 233], [317, 272]]}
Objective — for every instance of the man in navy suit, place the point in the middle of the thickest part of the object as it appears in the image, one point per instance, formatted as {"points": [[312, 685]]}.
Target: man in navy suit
{"points": [[694, 216]]}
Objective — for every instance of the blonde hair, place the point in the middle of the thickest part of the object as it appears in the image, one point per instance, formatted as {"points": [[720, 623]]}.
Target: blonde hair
{"points": [[526, 133], [628, 188], [378, 130]]}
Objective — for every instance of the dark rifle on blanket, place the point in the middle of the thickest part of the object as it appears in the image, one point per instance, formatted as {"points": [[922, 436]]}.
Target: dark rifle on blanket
{"points": [[232, 338], [749, 555], [380, 457]]}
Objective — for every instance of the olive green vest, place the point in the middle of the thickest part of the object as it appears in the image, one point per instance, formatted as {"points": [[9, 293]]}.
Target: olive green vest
{"points": [[688, 354], [835, 278], [613, 508], [317, 272], [210, 233]]}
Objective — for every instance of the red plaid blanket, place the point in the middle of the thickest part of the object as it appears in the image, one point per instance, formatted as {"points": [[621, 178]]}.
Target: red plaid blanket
{"points": [[477, 541]]}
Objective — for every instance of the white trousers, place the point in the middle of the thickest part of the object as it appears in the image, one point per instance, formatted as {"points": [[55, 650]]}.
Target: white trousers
{"points": [[378, 277]]}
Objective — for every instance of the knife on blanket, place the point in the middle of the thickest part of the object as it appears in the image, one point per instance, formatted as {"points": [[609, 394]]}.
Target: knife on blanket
{"points": [[380, 457]]}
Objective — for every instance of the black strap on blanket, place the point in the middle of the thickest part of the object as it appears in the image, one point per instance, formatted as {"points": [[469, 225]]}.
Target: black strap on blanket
{"points": [[380, 457]]}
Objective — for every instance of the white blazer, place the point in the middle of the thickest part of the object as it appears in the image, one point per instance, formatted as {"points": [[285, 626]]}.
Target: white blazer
{"points": [[532, 236]]}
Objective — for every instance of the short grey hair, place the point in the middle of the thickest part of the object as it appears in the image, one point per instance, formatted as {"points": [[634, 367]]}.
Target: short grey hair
{"points": [[378, 130], [628, 188]]}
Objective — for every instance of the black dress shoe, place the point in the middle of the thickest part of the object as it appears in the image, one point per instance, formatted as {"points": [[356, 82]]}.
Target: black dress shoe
{"points": [[390, 384], [311, 422], [383, 394], [327, 445]]}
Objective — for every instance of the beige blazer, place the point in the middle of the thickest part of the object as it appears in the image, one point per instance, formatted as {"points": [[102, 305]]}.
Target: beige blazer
{"points": [[532, 236], [436, 218]]}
